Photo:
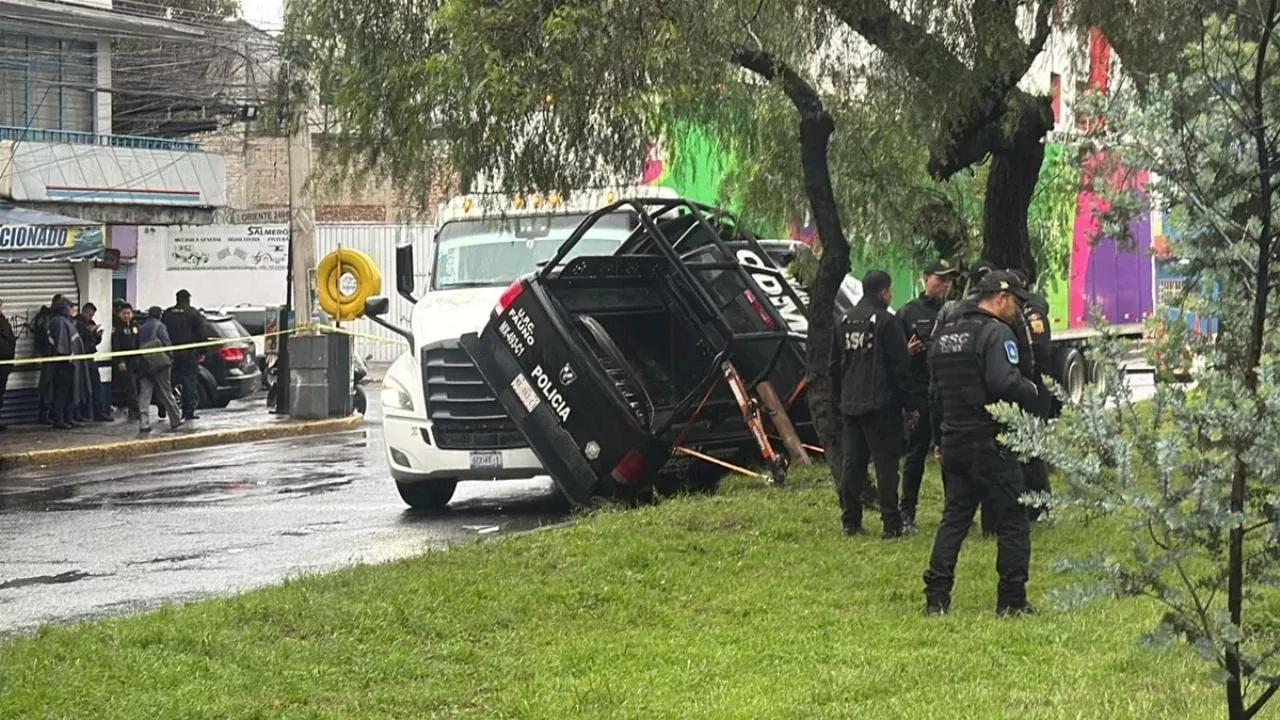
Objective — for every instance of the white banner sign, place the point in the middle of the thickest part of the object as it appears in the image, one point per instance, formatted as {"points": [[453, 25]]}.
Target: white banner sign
{"points": [[228, 247]]}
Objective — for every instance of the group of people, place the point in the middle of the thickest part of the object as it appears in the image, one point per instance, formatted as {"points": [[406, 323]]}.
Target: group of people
{"points": [[920, 380], [70, 391], [166, 378]]}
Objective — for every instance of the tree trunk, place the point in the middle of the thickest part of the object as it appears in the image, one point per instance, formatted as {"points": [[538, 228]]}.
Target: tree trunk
{"points": [[1266, 158], [816, 127], [815, 135], [1011, 184]]}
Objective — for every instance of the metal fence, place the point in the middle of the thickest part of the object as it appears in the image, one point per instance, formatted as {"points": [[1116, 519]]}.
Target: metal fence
{"points": [[379, 241]]}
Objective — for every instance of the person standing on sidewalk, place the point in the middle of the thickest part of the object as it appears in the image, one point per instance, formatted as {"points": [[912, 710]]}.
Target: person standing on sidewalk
{"points": [[153, 372], [124, 382], [8, 350], [186, 325], [93, 405], [918, 318], [64, 341], [871, 369]]}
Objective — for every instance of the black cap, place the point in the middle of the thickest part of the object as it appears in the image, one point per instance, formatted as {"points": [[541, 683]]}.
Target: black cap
{"points": [[1003, 281], [940, 267], [184, 294]]}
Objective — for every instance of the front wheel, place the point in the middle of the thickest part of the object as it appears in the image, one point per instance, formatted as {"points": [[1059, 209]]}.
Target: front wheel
{"points": [[427, 494], [359, 402]]}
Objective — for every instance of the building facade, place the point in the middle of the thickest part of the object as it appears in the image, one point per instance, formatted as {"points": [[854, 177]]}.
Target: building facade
{"points": [[71, 188]]}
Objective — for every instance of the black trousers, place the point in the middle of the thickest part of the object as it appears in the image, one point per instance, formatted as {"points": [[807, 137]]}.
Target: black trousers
{"points": [[976, 471], [919, 443], [44, 392], [186, 374], [1035, 475], [877, 438], [4, 383], [62, 391]]}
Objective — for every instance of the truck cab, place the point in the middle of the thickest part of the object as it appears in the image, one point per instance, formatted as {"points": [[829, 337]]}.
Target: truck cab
{"points": [[442, 424]]}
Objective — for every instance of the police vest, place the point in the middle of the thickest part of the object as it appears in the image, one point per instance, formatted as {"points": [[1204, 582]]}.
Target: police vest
{"points": [[861, 386], [958, 373]]}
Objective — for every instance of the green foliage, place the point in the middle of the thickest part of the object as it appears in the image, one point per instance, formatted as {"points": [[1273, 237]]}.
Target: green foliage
{"points": [[1196, 474]]}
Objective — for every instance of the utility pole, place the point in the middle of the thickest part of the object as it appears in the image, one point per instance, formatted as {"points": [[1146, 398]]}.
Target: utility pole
{"points": [[302, 218], [308, 359]]}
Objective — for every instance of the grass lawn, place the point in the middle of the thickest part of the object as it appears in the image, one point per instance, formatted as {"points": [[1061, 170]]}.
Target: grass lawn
{"points": [[749, 604]]}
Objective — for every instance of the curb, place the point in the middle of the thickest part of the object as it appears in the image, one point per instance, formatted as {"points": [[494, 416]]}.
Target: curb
{"points": [[151, 446]]}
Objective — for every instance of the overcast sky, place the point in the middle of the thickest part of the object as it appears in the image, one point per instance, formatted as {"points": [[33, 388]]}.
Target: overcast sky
{"points": [[266, 14]]}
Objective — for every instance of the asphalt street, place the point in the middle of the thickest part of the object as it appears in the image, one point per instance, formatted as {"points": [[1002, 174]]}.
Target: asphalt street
{"points": [[82, 542]]}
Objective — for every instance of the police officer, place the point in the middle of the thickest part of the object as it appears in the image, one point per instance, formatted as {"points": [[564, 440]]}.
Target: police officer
{"points": [[186, 325], [873, 385], [918, 318], [974, 360], [1035, 312]]}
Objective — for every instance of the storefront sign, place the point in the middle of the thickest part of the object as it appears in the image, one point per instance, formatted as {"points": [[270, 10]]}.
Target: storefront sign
{"points": [[228, 247], [49, 242]]}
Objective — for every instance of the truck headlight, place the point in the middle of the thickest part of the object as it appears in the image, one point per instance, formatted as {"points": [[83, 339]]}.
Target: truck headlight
{"points": [[394, 396]]}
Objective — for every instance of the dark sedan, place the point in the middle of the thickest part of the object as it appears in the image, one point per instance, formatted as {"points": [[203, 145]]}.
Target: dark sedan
{"points": [[228, 371]]}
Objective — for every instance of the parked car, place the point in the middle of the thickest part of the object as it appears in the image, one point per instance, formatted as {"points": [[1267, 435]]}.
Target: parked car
{"points": [[254, 319], [228, 371]]}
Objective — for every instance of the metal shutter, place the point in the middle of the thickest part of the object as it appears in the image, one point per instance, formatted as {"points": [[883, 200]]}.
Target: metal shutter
{"points": [[24, 287]]}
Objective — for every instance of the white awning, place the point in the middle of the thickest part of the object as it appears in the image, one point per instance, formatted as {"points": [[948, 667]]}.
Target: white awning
{"points": [[61, 17]]}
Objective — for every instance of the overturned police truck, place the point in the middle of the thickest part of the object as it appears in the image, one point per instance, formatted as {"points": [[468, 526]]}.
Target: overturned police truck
{"points": [[616, 367]]}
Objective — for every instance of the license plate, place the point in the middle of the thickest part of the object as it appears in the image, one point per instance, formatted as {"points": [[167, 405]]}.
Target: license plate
{"points": [[486, 461], [524, 391]]}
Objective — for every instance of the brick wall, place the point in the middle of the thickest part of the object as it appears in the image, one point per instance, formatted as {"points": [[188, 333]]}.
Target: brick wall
{"points": [[258, 179]]}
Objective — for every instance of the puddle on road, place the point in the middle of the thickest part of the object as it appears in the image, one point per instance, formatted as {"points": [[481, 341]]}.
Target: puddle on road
{"points": [[168, 559], [176, 487], [61, 578]]}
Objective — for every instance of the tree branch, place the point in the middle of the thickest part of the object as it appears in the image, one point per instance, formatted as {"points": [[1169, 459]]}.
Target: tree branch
{"points": [[1256, 705], [797, 89], [926, 57]]}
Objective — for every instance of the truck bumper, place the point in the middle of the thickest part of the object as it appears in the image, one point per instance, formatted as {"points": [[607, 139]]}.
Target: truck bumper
{"points": [[412, 457]]}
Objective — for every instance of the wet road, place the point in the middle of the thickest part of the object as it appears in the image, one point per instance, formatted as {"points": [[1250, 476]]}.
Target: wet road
{"points": [[84, 542]]}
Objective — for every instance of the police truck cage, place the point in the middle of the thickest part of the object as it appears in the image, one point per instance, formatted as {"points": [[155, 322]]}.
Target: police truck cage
{"points": [[625, 371]]}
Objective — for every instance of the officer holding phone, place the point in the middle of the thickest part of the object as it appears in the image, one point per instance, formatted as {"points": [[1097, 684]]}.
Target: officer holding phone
{"points": [[918, 318]]}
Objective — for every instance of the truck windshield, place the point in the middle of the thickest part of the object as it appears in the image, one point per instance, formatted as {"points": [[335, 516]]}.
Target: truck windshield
{"points": [[494, 251]]}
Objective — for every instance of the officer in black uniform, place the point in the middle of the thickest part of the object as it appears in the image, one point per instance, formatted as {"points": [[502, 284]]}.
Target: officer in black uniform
{"points": [[1035, 312], [951, 310], [974, 361], [918, 318], [872, 382], [186, 325]]}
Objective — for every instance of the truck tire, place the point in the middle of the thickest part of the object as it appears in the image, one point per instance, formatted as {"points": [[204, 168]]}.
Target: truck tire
{"points": [[1097, 376], [1071, 373], [427, 494]]}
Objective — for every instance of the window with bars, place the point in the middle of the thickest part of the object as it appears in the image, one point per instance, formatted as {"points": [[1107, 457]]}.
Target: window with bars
{"points": [[47, 83]]}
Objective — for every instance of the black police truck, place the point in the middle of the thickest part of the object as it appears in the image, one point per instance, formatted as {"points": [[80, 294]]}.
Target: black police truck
{"points": [[623, 371]]}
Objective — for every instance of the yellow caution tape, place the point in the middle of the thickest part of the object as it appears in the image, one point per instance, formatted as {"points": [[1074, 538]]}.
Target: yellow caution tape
{"points": [[363, 335], [314, 327], [329, 275]]}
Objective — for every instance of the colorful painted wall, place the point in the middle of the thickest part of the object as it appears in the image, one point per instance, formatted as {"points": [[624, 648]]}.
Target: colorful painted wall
{"points": [[1118, 281]]}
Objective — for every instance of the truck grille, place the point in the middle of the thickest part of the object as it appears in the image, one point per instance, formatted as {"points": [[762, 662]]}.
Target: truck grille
{"points": [[463, 411]]}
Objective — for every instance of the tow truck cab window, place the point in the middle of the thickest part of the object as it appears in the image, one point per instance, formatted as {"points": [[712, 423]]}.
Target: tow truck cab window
{"points": [[494, 251]]}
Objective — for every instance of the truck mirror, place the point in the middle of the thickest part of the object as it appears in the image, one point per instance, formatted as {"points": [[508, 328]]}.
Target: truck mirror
{"points": [[404, 272], [376, 306]]}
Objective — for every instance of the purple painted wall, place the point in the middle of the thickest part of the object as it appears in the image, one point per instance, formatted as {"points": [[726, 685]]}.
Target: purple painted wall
{"points": [[124, 238]]}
